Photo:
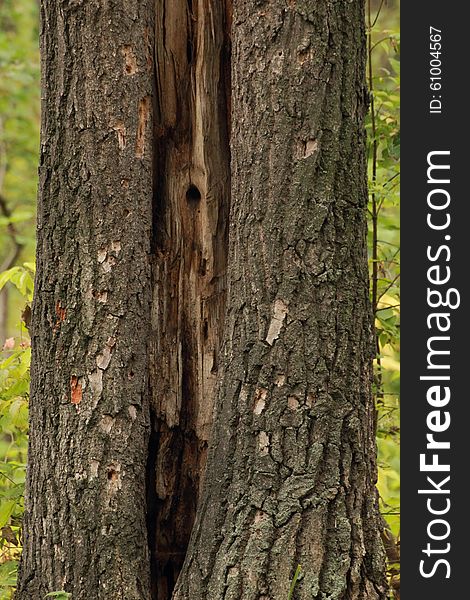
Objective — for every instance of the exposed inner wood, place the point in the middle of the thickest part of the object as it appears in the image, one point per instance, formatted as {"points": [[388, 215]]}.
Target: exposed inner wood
{"points": [[191, 203]]}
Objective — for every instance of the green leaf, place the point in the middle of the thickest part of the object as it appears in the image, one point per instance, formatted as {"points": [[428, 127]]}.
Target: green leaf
{"points": [[6, 508], [297, 574], [8, 574]]}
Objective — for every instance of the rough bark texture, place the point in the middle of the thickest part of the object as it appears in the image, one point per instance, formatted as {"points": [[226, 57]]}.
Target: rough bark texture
{"points": [[85, 520], [190, 217], [132, 302], [291, 470]]}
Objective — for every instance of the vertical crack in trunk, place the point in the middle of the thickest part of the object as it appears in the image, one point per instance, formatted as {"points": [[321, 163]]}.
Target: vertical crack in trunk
{"points": [[190, 230]]}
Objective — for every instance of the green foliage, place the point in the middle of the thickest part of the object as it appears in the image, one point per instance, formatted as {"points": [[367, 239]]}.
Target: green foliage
{"points": [[384, 245], [14, 390], [59, 595], [296, 577], [22, 278], [19, 106], [15, 359], [8, 573], [14, 384], [19, 139]]}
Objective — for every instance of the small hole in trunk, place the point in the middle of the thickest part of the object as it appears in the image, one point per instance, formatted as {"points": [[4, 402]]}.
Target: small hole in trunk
{"points": [[193, 195]]}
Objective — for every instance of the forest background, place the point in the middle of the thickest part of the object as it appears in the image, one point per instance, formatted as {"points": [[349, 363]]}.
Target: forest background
{"points": [[19, 152]]}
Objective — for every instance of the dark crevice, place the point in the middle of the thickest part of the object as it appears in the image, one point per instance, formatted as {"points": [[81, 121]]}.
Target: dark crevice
{"points": [[191, 38], [158, 212], [180, 452], [193, 195], [189, 51], [175, 512], [176, 454], [169, 576]]}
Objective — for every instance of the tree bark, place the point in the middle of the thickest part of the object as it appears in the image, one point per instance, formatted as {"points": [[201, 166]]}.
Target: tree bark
{"points": [[85, 521], [152, 250], [291, 470], [190, 219]]}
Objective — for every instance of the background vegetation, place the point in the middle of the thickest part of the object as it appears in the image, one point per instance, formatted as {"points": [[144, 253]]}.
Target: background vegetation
{"points": [[19, 146], [383, 127]]}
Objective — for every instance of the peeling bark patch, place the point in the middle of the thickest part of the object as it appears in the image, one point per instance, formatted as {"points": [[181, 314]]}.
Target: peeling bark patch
{"points": [[260, 516], [60, 312], [144, 115], [260, 400], [292, 403], [106, 260], [107, 266], [75, 390], [307, 148], [116, 247], [96, 382], [279, 314], [243, 394], [94, 466], [310, 400], [103, 359], [107, 423], [114, 477], [130, 61], [263, 443], [120, 130], [304, 51], [277, 63], [311, 146], [102, 297]]}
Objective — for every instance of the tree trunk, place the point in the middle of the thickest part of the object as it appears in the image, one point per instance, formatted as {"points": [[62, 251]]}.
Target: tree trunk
{"points": [[190, 219], [291, 471], [137, 287], [85, 520]]}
